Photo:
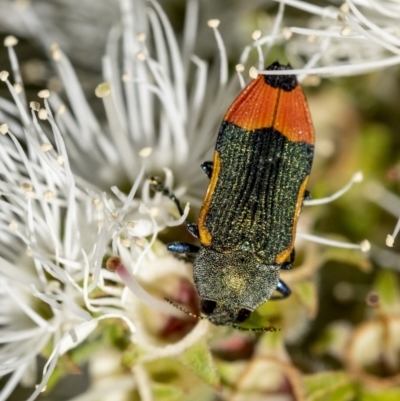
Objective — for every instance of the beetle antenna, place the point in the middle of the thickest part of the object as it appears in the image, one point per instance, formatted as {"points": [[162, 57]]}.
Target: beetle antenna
{"points": [[181, 308], [256, 329]]}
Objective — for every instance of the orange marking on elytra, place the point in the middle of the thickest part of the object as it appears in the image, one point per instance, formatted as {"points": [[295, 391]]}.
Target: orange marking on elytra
{"points": [[285, 254], [293, 117], [254, 108], [205, 235], [260, 105]]}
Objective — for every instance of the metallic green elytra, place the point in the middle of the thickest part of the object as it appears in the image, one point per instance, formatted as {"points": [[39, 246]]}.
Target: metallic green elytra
{"points": [[248, 219]]}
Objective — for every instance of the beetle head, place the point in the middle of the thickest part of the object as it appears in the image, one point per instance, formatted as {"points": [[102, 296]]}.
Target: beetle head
{"points": [[232, 285], [220, 313]]}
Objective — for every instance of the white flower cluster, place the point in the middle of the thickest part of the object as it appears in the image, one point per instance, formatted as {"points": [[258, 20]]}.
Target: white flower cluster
{"points": [[57, 224], [354, 37], [55, 231]]}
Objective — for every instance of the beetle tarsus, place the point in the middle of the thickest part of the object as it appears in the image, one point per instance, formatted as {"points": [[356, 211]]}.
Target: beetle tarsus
{"points": [[157, 184], [307, 196], [193, 229], [207, 167], [283, 289], [182, 247]]}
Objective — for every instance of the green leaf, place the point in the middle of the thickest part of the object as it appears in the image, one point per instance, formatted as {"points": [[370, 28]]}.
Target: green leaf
{"points": [[116, 333], [271, 342], [307, 293], [131, 356], [199, 359], [349, 257], [386, 395], [387, 286], [70, 362], [55, 377], [333, 339], [230, 372], [84, 351], [166, 392], [343, 393], [330, 386]]}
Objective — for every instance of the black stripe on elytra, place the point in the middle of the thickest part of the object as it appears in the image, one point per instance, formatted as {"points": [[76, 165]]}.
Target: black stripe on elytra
{"points": [[256, 193], [284, 82]]}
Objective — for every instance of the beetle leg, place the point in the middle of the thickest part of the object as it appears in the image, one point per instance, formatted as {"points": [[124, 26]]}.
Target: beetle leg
{"points": [[182, 247], [283, 289], [288, 264], [158, 186], [207, 167], [307, 195], [183, 251]]}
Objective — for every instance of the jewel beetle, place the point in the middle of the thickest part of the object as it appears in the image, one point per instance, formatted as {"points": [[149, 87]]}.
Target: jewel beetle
{"points": [[258, 178]]}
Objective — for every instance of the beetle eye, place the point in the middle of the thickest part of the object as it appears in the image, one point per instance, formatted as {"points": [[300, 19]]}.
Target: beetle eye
{"points": [[242, 315], [207, 306]]}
